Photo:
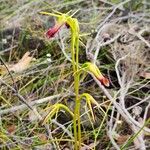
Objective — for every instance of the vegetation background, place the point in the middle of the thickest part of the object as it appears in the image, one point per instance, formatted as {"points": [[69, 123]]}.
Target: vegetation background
{"points": [[35, 74]]}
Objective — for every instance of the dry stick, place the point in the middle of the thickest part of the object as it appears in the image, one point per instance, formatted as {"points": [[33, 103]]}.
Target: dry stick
{"points": [[135, 129], [62, 46], [138, 140], [99, 28], [24, 106], [124, 113], [28, 105], [107, 2], [137, 89], [146, 112], [134, 124], [110, 15], [7, 49], [21, 98], [62, 127], [144, 100], [142, 39], [104, 44], [116, 122], [123, 92], [139, 35], [109, 133], [8, 72], [116, 68], [111, 119], [111, 129]]}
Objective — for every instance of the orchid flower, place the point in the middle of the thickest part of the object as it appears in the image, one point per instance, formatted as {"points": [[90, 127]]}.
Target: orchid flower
{"points": [[92, 68], [54, 109], [52, 31], [90, 100], [62, 19], [73, 24]]}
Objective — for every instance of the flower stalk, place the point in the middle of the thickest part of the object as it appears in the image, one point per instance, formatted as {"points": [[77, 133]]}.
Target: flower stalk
{"points": [[72, 23]]}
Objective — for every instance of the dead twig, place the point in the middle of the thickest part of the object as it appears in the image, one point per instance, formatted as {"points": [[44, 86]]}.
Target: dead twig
{"points": [[22, 107]]}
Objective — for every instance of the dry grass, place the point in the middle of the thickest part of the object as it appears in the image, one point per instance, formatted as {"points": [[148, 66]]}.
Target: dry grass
{"points": [[117, 40]]}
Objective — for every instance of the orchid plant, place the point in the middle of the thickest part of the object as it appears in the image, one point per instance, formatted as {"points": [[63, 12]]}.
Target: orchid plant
{"points": [[72, 23]]}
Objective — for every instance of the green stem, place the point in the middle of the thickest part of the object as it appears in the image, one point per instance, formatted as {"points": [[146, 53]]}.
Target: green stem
{"points": [[77, 116], [74, 71], [77, 133], [77, 82]]}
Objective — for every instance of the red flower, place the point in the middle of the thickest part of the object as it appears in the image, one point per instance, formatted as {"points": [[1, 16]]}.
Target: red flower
{"points": [[104, 81], [88, 66], [52, 31]]}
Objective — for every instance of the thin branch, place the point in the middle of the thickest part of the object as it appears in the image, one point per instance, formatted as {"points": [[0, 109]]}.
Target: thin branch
{"points": [[111, 14], [117, 71], [35, 102], [144, 100], [104, 44], [124, 113], [62, 127]]}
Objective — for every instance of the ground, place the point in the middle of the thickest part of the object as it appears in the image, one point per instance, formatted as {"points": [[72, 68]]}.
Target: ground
{"points": [[36, 73]]}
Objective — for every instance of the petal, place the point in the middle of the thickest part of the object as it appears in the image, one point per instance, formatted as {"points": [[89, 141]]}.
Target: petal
{"points": [[52, 31], [88, 66], [104, 81]]}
